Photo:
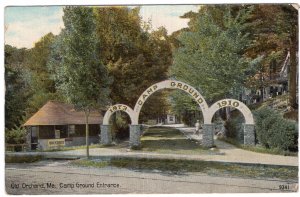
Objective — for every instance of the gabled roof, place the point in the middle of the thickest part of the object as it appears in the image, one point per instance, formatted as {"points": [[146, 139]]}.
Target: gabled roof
{"points": [[57, 113]]}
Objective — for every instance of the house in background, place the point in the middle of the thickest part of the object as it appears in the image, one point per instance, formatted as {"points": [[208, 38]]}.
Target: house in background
{"points": [[276, 83], [58, 124], [168, 119]]}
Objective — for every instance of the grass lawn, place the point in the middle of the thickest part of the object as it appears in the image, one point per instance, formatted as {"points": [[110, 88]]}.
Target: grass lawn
{"points": [[173, 166], [259, 149], [170, 140]]}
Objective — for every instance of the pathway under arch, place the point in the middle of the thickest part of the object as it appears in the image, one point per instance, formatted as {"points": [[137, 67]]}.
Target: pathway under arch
{"points": [[249, 134], [106, 137]]}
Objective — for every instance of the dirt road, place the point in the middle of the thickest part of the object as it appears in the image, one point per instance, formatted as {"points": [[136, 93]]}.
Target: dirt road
{"points": [[58, 177]]}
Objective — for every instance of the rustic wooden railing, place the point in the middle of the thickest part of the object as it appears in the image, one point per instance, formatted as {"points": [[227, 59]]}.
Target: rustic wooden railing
{"points": [[12, 147]]}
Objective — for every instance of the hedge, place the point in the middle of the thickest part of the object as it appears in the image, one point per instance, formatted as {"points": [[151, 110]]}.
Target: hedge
{"points": [[273, 131]]}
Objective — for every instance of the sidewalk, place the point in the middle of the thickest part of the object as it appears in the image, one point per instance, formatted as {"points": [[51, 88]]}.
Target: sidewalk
{"points": [[234, 154], [228, 153]]}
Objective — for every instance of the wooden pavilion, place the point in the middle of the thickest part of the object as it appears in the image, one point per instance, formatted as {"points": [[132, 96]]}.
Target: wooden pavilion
{"points": [[58, 124]]}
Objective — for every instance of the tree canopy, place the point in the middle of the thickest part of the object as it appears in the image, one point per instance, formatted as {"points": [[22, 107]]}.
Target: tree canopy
{"points": [[211, 53], [108, 55]]}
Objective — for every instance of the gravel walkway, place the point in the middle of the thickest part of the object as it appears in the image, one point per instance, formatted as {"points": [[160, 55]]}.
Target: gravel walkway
{"points": [[234, 154]]}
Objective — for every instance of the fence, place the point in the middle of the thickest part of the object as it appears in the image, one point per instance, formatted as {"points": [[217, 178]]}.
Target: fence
{"points": [[16, 147]]}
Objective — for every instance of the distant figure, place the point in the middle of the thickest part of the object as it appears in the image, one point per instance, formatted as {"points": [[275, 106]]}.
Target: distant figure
{"points": [[197, 125]]}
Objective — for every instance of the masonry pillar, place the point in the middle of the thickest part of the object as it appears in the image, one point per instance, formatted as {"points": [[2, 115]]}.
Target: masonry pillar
{"points": [[249, 134], [208, 135], [135, 131], [106, 137]]}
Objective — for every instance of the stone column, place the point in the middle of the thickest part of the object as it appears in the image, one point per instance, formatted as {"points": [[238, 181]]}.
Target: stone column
{"points": [[240, 134], [249, 134], [208, 135], [134, 140], [106, 137]]}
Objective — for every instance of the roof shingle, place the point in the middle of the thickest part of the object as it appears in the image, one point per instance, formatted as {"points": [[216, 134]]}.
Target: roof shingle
{"points": [[57, 113]]}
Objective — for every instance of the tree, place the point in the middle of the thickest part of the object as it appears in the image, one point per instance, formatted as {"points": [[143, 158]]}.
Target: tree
{"points": [[41, 85], [135, 57], [274, 34], [288, 19], [211, 54], [16, 87], [80, 74]]}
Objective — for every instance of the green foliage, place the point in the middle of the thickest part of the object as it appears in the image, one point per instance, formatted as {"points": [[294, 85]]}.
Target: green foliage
{"points": [[22, 158], [274, 34], [211, 54], [171, 141], [177, 166], [120, 127], [15, 86], [90, 163], [234, 126], [41, 87], [28, 82], [273, 131], [17, 135], [135, 58], [80, 75], [78, 71], [258, 148]]}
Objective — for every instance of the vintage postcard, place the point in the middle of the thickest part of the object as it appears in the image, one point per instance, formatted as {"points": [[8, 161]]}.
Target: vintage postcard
{"points": [[151, 99]]}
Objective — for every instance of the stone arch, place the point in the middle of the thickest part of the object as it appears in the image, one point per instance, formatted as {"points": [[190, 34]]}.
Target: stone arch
{"points": [[118, 107], [106, 137], [208, 112], [169, 84], [230, 103], [249, 134]]}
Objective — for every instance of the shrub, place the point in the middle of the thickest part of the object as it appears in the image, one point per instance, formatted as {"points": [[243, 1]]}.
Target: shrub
{"points": [[234, 126], [22, 158], [273, 131], [120, 126], [17, 135]]}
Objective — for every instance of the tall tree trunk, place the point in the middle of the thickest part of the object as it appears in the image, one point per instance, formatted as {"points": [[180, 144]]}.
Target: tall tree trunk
{"points": [[87, 113], [262, 94], [293, 71]]}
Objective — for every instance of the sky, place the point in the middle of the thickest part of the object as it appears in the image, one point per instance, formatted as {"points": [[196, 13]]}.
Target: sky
{"points": [[26, 25]]}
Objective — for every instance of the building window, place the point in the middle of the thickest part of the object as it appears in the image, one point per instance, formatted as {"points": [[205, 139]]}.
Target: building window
{"points": [[71, 131], [171, 118], [46, 132]]}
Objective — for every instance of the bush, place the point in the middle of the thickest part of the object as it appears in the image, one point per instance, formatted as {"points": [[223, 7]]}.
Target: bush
{"points": [[273, 131], [17, 135], [234, 126], [22, 158], [120, 126]]}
